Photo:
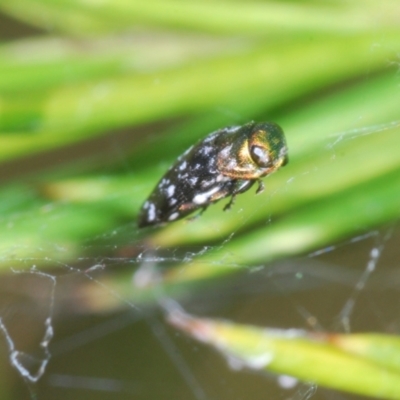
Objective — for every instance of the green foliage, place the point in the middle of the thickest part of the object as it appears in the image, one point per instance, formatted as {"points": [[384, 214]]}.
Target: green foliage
{"points": [[344, 362]]}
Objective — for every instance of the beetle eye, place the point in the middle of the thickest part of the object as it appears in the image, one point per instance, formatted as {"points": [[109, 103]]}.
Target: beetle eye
{"points": [[285, 161], [260, 156]]}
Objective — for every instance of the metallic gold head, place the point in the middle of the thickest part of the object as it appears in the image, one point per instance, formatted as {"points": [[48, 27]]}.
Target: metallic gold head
{"points": [[253, 151]]}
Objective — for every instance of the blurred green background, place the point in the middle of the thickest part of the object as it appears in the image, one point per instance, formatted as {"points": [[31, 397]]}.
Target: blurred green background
{"points": [[98, 98]]}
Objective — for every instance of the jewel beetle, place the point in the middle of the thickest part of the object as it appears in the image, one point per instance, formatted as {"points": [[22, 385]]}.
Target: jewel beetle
{"points": [[225, 163]]}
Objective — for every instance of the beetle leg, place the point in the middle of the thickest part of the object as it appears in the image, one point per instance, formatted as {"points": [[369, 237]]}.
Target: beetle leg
{"points": [[261, 186], [199, 214], [230, 204], [241, 186]]}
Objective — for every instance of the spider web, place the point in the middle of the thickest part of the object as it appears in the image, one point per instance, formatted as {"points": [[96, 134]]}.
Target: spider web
{"points": [[55, 352]]}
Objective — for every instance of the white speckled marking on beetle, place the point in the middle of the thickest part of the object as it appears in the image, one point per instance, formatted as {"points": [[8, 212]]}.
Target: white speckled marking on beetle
{"points": [[151, 212], [173, 216], [222, 178], [232, 164], [171, 190], [206, 150], [205, 184], [224, 153], [164, 182], [202, 198], [211, 137], [232, 129]]}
